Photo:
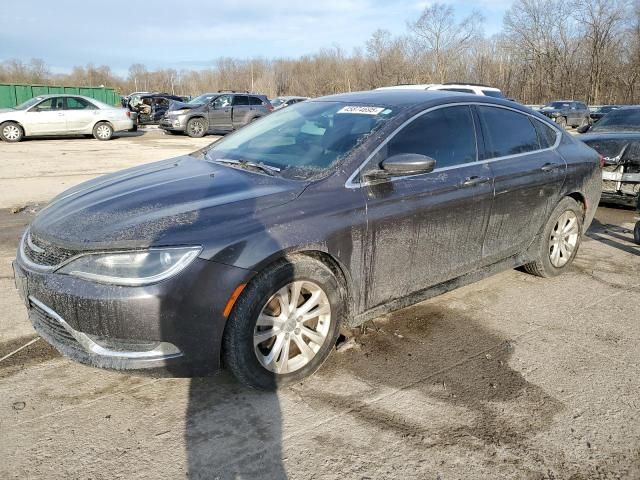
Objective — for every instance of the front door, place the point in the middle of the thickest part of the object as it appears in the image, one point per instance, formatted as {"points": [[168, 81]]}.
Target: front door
{"points": [[425, 229], [220, 113], [528, 176], [46, 118]]}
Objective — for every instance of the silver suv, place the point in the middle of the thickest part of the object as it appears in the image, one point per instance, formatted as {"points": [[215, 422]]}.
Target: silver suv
{"points": [[220, 112]]}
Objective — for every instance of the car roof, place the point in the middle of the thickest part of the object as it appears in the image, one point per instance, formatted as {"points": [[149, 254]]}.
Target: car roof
{"points": [[466, 85], [406, 97]]}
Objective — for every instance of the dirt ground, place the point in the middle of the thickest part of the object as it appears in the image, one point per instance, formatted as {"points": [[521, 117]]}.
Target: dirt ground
{"points": [[511, 377]]}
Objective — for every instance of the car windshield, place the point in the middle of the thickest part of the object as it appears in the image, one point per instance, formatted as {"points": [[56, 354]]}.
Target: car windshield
{"points": [[29, 103], [557, 105], [305, 139], [619, 119], [202, 98], [277, 101]]}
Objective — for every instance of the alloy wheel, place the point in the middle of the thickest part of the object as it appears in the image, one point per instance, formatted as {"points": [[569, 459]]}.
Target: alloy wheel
{"points": [[292, 327], [196, 128], [563, 239], [103, 131]]}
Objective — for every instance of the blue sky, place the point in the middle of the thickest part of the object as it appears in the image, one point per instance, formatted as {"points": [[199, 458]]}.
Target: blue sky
{"points": [[192, 34]]}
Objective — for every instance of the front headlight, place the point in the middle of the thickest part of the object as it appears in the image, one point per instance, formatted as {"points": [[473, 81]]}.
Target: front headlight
{"points": [[134, 268], [178, 112]]}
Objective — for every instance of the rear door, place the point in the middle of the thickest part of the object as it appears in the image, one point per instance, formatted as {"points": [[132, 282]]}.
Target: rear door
{"points": [[425, 229], [219, 115], [80, 114], [46, 118], [240, 110], [528, 174]]}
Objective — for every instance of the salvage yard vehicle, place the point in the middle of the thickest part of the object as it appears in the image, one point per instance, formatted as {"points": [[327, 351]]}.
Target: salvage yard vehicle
{"points": [[221, 112], [58, 114], [598, 112], [254, 252], [286, 101], [568, 113], [151, 107], [617, 138]]}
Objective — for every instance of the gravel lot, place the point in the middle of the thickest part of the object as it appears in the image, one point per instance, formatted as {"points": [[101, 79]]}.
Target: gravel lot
{"points": [[511, 377]]}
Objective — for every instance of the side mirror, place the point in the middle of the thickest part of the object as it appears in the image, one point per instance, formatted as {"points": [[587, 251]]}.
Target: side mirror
{"points": [[401, 165], [408, 164], [583, 128]]}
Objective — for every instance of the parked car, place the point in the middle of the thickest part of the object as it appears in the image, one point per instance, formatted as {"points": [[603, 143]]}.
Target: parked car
{"points": [[283, 102], [58, 114], [151, 107], [598, 112], [617, 138], [327, 213], [474, 88], [220, 112], [567, 113]]}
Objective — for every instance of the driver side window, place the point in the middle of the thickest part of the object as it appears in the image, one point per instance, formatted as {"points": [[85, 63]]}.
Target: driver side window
{"points": [[447, 135], [48, 105], [222, 101]]}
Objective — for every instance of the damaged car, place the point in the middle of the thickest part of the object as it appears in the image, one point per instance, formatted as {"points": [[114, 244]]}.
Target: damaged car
{"points": [[222, 112], [254, 252], [617, 138]]}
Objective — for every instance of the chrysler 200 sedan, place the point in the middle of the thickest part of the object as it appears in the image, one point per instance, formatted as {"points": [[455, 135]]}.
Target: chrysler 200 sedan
{"points": [[252, 254]]}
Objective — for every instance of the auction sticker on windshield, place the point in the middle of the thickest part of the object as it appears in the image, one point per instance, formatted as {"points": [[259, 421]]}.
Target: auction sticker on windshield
{"points": [[361, 110]]}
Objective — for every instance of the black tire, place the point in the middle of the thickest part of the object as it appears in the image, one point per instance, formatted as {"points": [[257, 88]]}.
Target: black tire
{"points": [[542, 266], [636, 233], [11, 132], [102, 131], [562, 121], [197, 127], [238, 347]]}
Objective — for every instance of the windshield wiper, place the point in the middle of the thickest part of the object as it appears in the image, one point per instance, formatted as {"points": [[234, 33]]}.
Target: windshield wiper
{"points": [[246, 164]]}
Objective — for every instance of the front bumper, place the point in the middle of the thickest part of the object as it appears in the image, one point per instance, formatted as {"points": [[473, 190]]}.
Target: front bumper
{"points": [[175, 124], [171, 324]]}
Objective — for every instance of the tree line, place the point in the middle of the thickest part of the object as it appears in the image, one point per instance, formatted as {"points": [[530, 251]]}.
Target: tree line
{"points": [[546, 50]]}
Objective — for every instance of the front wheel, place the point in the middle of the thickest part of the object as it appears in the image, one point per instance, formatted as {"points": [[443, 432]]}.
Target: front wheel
{"points": [[196, 127], [559, 240], [284, 325], [11, 132], [103, 131]]}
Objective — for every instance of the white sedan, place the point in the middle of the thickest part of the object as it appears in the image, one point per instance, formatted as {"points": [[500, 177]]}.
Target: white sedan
{"points": [[63, 115]]}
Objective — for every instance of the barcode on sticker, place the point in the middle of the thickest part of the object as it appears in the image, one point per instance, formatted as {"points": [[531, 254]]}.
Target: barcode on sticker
{"points": [[361, 110]]}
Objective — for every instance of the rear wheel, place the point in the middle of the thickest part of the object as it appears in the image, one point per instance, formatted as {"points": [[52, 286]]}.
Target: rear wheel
{"points": [[103, 131], [284, 325], [559, 241], [197, 127], [11, 132]]}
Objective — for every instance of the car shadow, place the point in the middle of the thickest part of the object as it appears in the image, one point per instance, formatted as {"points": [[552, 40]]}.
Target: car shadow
{"points": [[613, 236]]}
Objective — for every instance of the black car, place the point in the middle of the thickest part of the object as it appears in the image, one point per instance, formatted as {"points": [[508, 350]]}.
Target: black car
{"points": [[330, 212], [598, 112], [219, 112], [150, 107], [617, 138], [567, 113]]}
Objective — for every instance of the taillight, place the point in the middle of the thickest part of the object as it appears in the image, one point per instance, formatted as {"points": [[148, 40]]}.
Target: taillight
{"points": [[601, 161], [128, 113], [270, 107]]}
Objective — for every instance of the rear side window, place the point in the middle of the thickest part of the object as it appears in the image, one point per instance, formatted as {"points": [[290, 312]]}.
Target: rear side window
{"points": [[507, 132], [546, 135], [75, 103], [240, 100], [447, 135], [493, 93], [255, 101]]}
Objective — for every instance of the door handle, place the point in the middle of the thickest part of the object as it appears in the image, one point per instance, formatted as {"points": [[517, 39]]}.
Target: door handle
{"points": [[549, 167], [474, 180]]}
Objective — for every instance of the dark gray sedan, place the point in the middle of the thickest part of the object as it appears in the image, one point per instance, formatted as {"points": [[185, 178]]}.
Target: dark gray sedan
{"points": [[327, 213]]}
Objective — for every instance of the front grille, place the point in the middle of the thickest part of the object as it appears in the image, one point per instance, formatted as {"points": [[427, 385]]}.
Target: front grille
{"points": [[49, 326], [45, 253]]}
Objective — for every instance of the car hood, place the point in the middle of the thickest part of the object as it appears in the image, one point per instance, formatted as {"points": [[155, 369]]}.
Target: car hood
{"points": [[175, 105], [172, 202]]}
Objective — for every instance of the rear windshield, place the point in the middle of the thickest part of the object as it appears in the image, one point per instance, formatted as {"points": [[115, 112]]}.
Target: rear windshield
{"points": [[305, 139], [620, 119]]}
